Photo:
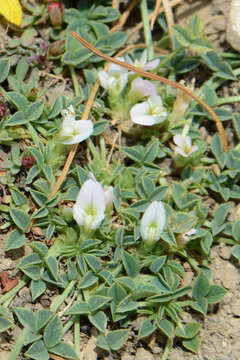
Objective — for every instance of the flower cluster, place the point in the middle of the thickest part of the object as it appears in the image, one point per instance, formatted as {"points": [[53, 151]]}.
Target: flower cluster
{"points": [[93, 201], [127, 92]]}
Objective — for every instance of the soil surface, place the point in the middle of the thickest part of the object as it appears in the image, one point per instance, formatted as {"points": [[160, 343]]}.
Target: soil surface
{"points": [[221, 327]]}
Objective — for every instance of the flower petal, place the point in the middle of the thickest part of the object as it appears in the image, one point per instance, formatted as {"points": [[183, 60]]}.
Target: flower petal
{"points": [[152, 65], [178, 139]]}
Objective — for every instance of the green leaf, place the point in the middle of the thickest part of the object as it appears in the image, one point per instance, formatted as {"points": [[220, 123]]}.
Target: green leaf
{"points": [[130, 264], [34, 111], [157, 264], [42, 318], [38, 351], [99, 127], [236, 230], [18, 100], [39, 247], [220, 213], [37, 288], [147, 328], [217, 149], [53, 333], [222, 68], [187, 331], [22, 68], [170, 295], [88, 280], [159, 193], [17, 119], [135, 153], [201, 286], [4, 69], [180, 222], [16, 239], [102, 343], [52, 265], [192, 344], [99, 320], [31, 338], [18, 197], [117, 338], [64, 350], [33, 272], [29, 260], [236, 251], [33, 172], [26, 317], [79, 308], [166, 327], [151, 151], [215, 294], [93, 262], [57, 107], [117, 292], [38, 156], [5, 323], [96, 302], [20, 218], [38, 197]]}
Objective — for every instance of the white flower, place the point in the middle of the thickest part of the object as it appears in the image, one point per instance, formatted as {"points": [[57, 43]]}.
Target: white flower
{"points": [[141, 88], [109, 196], [142, 62], [149, 112], [184, 145], [115, 78], [153, 222], [89, 209], [74, 131]]}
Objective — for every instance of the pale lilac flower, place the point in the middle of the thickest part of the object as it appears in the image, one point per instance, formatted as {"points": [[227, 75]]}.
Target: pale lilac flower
{"points": [[184, 145], [89, 209], [115, 78], [74, 131], [141, 88], [150, 112], [153, 222], [142, 62]]}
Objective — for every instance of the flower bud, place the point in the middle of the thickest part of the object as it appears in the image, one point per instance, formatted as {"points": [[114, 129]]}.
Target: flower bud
{"points": [[152, 223], [109, 196], [3, 110], [28, 162], [57, 48], [55, 11]]}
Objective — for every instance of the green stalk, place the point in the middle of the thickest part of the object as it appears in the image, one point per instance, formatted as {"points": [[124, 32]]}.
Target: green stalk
{"points": [[228, 100], [75, 81], [63, 296], [167, 349], [146, 29], [170, 57], [77, 337], [7, 298], [19, 344]]}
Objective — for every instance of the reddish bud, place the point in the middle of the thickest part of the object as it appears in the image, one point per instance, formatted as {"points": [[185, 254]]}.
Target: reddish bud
{"points": [[55, 11], [3, 110], [28, 162], [57, 48]]}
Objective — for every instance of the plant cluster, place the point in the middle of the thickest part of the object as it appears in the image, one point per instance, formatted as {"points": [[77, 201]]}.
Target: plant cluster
{"points": [[117, 233]]}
